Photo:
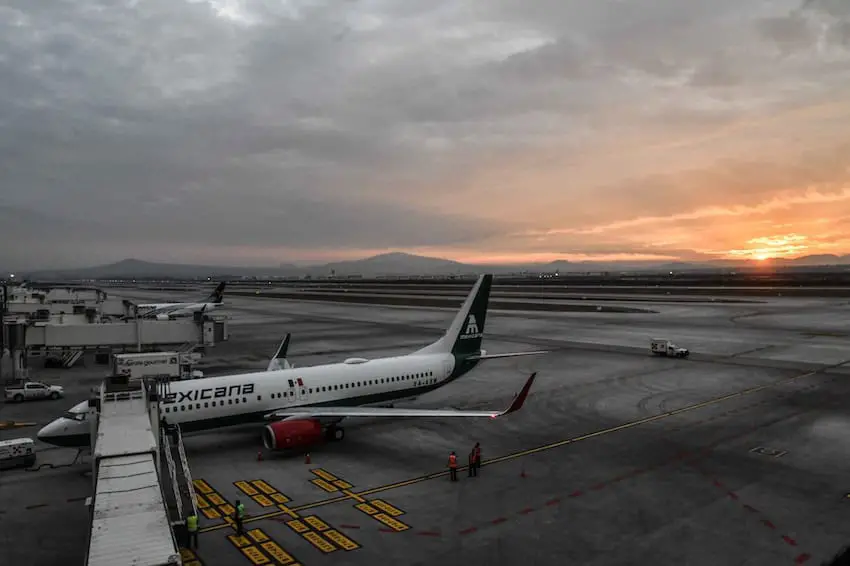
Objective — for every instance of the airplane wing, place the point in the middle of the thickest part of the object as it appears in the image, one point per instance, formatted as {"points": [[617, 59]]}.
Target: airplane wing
{"points": [[483, 356], [316, 412]]}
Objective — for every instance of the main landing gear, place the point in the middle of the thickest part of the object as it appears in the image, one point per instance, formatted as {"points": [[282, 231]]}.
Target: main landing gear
{"points": [[334, 433]]}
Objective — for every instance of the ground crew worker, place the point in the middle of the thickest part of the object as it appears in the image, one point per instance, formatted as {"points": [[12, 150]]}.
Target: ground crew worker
{"points": [[476, 457], [453, 466], [192, 528], [238, 516]]}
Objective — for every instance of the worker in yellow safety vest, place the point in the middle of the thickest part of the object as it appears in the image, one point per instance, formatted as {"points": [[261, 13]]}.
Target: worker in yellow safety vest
{"points": [[239, 516], [192, 528]]}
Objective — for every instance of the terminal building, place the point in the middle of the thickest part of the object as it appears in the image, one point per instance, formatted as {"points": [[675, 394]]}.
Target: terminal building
{"points": [[61, 325]]}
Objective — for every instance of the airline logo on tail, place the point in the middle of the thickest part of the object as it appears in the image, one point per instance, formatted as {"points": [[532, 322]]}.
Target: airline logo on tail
{"points": [[471, 328]]}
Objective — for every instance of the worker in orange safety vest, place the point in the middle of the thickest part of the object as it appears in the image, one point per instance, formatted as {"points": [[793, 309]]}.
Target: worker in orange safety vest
{"points": [[453, 466]]}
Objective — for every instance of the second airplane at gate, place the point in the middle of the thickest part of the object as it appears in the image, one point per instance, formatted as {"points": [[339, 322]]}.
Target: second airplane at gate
{"points": [[305, 405]]}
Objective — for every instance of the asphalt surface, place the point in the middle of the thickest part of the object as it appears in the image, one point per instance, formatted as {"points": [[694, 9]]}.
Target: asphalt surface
{"points": [[735, 456]]}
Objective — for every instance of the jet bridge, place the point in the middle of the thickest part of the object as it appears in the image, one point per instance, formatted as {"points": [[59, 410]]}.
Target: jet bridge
{"points": [[131, 334], [68, 342]]}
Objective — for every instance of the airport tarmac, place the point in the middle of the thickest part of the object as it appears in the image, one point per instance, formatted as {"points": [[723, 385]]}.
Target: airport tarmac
{"points": [[734, 456]]}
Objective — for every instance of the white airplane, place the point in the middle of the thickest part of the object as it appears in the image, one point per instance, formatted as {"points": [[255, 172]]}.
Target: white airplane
{"points": [[163, 311], [306, 404]]}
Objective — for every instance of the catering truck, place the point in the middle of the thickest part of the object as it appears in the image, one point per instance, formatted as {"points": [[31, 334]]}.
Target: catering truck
{"points": [[171, 365], [669, 349]]}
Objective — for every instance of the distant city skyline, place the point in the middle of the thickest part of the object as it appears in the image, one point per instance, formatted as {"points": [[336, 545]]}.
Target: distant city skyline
{"points": [[483, 132]]}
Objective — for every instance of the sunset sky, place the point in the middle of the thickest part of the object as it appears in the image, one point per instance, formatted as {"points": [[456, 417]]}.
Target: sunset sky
{"points": [[254, 132]]}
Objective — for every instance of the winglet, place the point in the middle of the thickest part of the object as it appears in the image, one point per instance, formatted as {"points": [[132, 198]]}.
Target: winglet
{"points": [[519, 400], [279, 360]]}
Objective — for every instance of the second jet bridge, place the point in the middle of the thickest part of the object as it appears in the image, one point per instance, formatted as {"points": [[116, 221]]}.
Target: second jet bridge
{"points": [[132, 334]]}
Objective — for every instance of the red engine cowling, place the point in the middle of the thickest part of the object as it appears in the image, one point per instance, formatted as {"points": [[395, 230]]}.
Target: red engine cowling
{"points": [[292, 434]]}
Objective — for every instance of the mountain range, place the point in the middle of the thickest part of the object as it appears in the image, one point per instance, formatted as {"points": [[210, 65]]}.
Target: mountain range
{"points": [[398, 263]]}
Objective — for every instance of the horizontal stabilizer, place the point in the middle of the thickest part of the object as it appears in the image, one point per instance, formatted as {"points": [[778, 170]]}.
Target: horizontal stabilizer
{"points": [[507, 355], [318, 412]]}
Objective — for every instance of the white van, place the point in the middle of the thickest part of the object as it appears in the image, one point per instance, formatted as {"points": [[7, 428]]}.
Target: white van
{"points": [[17, 452]]}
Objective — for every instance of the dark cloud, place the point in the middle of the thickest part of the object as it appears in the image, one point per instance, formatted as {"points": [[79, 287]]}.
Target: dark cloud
{"points": [[308, 126]]}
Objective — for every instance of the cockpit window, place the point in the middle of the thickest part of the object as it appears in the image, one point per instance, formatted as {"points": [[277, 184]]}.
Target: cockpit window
{"points": [[75, 416]]}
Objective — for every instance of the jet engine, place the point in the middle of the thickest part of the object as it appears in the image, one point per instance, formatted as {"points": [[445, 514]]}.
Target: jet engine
{"points": [[294, 433]]}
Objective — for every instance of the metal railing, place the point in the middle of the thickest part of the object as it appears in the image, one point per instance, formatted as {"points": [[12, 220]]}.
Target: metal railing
{"points": [[186, 472], [172, 472]]}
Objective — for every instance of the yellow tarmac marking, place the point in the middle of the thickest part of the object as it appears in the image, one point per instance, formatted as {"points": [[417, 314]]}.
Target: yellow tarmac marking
{"points": [[264, 487], [202, 486], [297, 526], [316, 523], [387, 508], [246, 488], [260, 549], [354, 496], [341, 540], [325, 475], [330, 488], [544, 448], [316, 540], [263, 501], [255, 555], [366, 508], [276, 552], [4, 425], [390, 522], [279, 498]]}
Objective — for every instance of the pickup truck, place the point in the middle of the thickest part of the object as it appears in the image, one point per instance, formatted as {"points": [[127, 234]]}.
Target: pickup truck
{"points": [[33, 390], [667, 348]]}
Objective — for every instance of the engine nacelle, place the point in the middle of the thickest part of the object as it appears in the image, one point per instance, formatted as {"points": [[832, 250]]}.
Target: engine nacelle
{"points": [[295, 433], [163, 317]]}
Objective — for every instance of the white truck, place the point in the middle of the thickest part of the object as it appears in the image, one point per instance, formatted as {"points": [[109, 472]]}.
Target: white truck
{"points": [[31, 390], [172, 365], [669, 349]]}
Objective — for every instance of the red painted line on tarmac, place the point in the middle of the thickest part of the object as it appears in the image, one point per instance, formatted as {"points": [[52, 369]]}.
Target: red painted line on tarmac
{"points": [[498, 520], [470, 530], [383, 530], [553, 501], [344, 526], [789, 540], [526, 511], [428, 533], [769, 524], [732, 494], [802, 558], [576, 493], [750, 508], [598, 486], [717, 483]]}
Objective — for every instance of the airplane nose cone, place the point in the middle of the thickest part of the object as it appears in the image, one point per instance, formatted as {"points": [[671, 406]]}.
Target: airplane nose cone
{"points": [[46, 432], [50, 432]]}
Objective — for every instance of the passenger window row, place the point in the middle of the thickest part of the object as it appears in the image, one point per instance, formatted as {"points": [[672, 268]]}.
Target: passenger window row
{"points": [[207, 404], [324, 388]]}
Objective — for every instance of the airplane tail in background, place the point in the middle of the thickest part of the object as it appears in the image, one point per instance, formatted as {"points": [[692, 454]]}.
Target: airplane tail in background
{"points": [[463, 338], [218, 295], [279, 360]]}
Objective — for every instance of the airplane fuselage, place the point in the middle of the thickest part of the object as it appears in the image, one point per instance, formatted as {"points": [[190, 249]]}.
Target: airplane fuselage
{"points": [[179, 308], [221, 401], [215, 402]]}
